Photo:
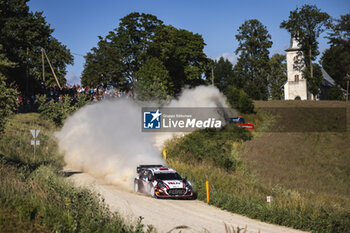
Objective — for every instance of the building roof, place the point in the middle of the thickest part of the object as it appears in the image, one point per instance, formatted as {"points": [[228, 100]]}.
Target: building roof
{"points": [[294, 45], [327, 80]]}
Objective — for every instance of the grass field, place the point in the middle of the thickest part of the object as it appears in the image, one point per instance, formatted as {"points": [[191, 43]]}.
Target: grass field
{"points": [[314, 163], [306, 173]]}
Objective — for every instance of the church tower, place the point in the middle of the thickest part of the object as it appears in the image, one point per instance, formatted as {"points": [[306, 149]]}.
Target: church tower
{"points": [[296, 86]]}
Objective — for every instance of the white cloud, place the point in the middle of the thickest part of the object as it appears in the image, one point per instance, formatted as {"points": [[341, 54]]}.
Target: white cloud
{"points": [[72, 78], [229, 56]]}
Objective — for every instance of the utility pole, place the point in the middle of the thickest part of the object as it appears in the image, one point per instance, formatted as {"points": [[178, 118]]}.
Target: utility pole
{"points": [[212, 75], [53, 72], [347, 78], [27, 72], [43, 64]]}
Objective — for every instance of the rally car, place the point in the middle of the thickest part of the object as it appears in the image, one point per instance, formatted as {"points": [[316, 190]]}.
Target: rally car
{"points": [[239, 121], [162, 182]]}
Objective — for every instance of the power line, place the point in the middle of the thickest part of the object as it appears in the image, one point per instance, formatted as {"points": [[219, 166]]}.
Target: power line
{"points": [[78, 54]]}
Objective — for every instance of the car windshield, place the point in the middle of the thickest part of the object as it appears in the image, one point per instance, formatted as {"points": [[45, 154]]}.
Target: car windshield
{"points": [[167, 176]]}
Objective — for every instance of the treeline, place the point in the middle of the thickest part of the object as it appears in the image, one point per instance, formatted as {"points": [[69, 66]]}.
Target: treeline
{"points": [[155, 60], [23, 35], [148, 57]]}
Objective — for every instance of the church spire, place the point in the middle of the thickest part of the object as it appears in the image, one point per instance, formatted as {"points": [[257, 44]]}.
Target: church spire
{"points": [[294, 44]]}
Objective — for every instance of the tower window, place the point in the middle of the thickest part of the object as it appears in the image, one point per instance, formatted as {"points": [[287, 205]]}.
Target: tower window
{"points": [[296, 78], [295, 59]]}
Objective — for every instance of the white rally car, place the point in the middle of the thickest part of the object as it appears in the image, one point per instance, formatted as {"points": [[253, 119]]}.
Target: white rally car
{"points": [[162, 182]]}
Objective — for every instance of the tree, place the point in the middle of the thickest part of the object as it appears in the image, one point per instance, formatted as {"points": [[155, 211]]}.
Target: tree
{"points": [[223, 73], [239, 99], [277, 75], [251, 69], [336, 59], [154, 82], [121, 53], [125, 50], [8, 101], [103, 66], [306, 25], [335, 93], [134, 34], [23, 34], [181, 52], [313, 84]]}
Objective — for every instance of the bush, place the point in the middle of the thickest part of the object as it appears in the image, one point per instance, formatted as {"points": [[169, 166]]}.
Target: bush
{"points": [[335, 93], [60, 110], [240, 100], [8, 102], [211, 146]]}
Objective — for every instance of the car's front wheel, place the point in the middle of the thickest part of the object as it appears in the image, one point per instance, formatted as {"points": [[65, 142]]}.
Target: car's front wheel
{"points": [[136, 187], [152, 192]]}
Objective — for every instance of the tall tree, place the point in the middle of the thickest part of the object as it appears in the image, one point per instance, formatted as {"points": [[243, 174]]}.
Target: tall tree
{"points": [[153, 81], [277, 75], [23, 34], [306, 25], [223, 73], [134, 34], [104, 66], [119, 55], [313, 83], [336, 59], [181, 52], [253, 63]]}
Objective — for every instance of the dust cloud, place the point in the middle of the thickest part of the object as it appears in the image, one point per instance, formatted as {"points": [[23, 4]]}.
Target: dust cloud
{"points": [[105, 138]]}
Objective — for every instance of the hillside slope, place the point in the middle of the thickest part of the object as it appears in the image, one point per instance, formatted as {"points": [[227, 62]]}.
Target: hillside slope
{"points": [[316, 164]]}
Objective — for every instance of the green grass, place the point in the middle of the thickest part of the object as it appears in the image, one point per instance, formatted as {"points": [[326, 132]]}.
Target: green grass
{"points": [[35, 197], [307, 174], [317, 164]]}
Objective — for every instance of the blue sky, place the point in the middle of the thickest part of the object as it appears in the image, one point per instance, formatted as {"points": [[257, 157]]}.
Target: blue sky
{"points": [[77, 23]]}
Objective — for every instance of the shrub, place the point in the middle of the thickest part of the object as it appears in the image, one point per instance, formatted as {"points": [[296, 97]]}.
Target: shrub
{"points": [[239, 99], [8, 102], [335, 93], [210, 145], [60, 110]]}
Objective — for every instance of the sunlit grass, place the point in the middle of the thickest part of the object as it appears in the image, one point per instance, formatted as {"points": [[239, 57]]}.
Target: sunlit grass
{"points": [[307, 175], [35, 197]]}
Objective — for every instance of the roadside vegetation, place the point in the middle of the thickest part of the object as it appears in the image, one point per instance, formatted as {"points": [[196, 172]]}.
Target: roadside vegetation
{"points": [[34, 194], [59, 111], [307, 174]]}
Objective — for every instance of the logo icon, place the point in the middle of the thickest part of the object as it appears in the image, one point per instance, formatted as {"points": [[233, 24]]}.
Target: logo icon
{"points": [[152, 120]]}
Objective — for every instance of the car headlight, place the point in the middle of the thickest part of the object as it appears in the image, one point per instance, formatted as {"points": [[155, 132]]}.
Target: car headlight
{"points": [[160, 185]]}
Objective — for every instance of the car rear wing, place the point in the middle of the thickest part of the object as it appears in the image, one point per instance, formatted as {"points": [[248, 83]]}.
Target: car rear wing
{"points": [[141, 167]]}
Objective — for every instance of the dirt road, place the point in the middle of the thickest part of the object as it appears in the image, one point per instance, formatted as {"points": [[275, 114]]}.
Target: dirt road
{"points": [[166, 215]]}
